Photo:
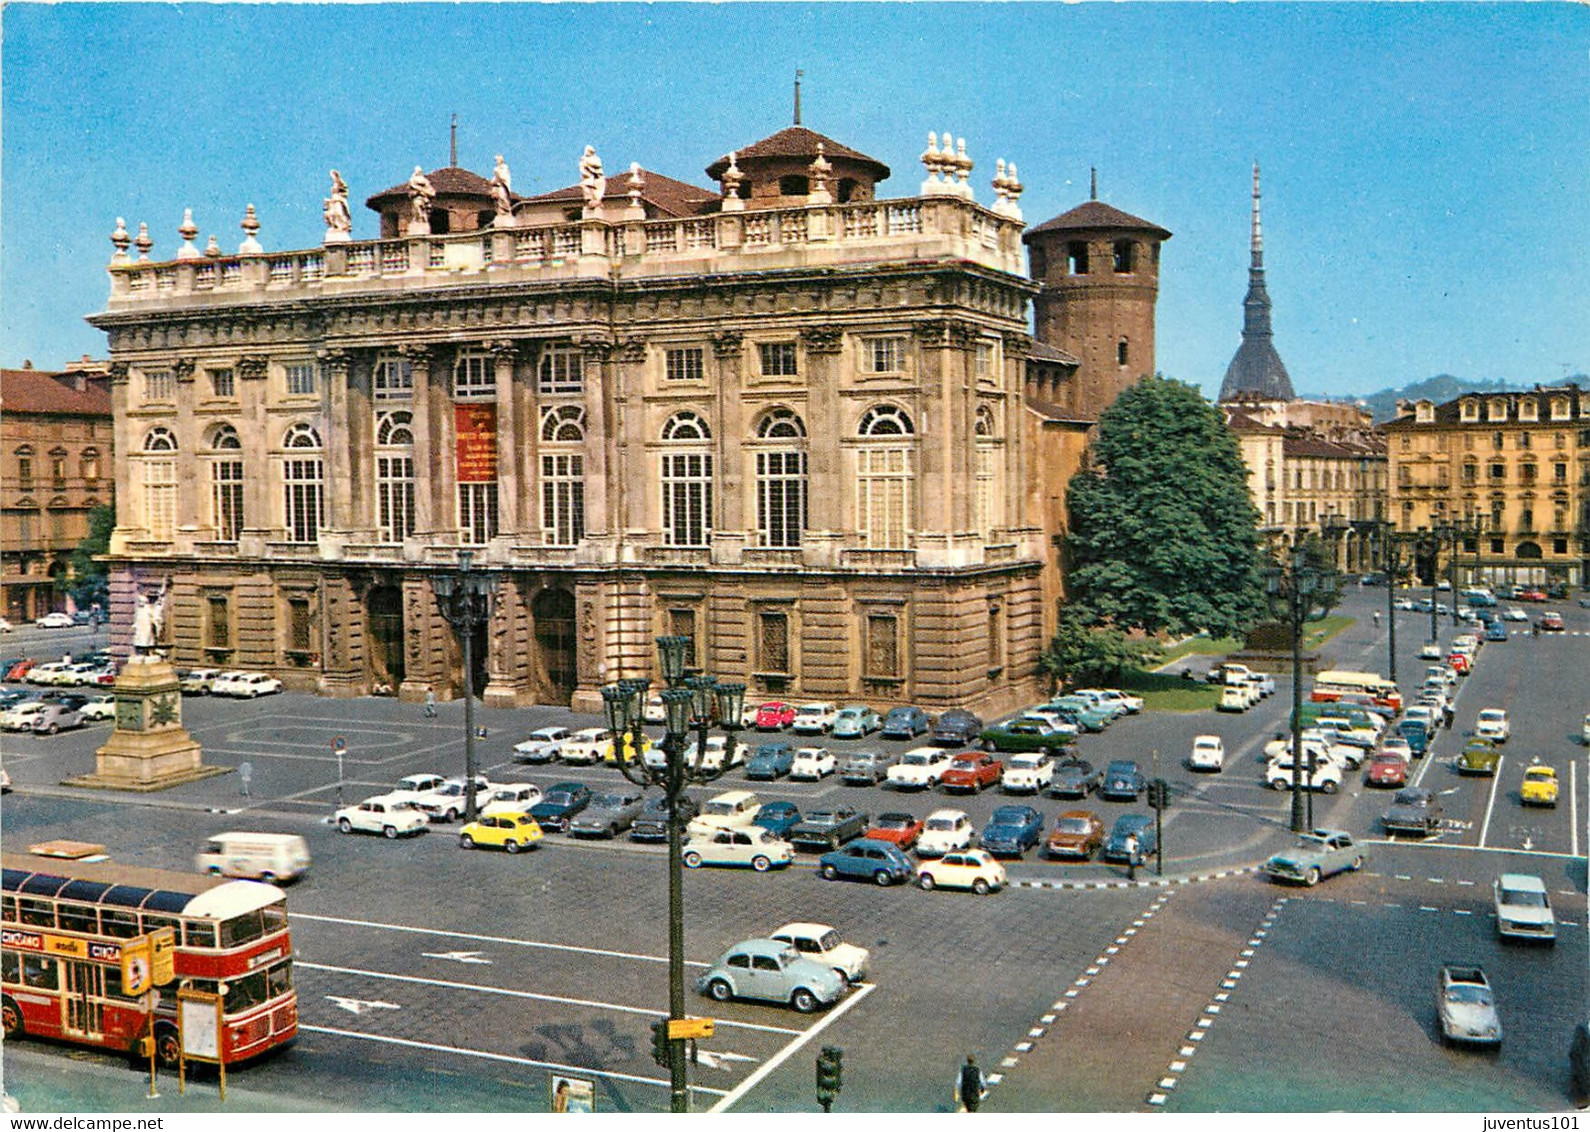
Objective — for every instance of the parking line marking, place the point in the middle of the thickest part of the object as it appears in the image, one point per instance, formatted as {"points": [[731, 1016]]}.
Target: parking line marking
{"points": [[412, 1044], [493, 939]]}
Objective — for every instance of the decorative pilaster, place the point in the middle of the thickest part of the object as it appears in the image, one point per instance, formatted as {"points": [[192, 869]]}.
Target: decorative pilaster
{"points": [[428, 450], [512, 506], [339, 444], [602, 486]]}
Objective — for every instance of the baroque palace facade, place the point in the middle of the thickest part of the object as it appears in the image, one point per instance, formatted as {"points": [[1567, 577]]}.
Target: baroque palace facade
{"points": [[797, 423]]}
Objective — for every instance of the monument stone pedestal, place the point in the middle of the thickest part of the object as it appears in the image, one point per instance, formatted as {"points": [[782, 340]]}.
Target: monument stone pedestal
{"points": [[149, 749]]}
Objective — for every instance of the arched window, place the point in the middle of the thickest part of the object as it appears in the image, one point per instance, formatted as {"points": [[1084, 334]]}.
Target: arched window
{"points": [[563, 475], [884, 478], [159, 474], [303, 485], [687, 481], [226, 483], [781, 478], [988, 512], [394, 475]]}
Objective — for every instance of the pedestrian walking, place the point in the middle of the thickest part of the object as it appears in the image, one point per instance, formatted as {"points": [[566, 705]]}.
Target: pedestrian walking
{"points": [[1377, 618], [970, 1086], [430, 704], [1131, 857]]}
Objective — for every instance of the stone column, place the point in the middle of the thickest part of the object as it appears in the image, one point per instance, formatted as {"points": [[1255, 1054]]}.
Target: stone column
{"points": [[602, 486], [736, 518], [511, 509], [122, 441], [591, 666], [627, 445], [338, 441], [342, 670], [427, 456], [945, 477], [260, 474], [829, 490], [507, 648]]}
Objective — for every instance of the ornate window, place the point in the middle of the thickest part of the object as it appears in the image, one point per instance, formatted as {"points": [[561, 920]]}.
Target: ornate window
{"points": [[394, 475], [884, 478], [159, 467], [881, 660], [778, 359], [160, 386], [560, 373], [988, 511], [226, 483], [303, 379], [883, 355], [687, 482], [222, 383], [781, 479], [983, 362], [683, 364], [303, 484], [474, 377], [772, 648], [563, 475], [392, 379]]}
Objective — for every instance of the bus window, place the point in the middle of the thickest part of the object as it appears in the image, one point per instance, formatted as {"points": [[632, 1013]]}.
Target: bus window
{"points": [[244, 992], [119, 922], [275, 917], [10, 967], [242, 929], [37, 913], [198, 933], [39, 972], [279, 979], [79, 918], [8, 909], [153, 924]]}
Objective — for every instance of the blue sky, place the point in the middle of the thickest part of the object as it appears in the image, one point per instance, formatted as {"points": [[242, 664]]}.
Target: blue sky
{"points": [[1425, 172]]}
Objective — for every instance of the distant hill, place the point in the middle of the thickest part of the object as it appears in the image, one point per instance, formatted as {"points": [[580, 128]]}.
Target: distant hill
{"points": [[1440, 388]]}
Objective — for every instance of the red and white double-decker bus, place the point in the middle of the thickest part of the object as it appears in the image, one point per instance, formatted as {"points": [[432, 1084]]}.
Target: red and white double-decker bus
{"points": [[62, 929]]}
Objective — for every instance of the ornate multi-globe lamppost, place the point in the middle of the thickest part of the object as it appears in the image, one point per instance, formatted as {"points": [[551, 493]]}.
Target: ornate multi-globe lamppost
{"points": [[688, 703], [1297, 590], [465, 597]]}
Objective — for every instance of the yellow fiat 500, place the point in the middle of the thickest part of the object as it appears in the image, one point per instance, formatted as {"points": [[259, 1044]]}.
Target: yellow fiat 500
{"points": [[512, 832], [1540, 787]]}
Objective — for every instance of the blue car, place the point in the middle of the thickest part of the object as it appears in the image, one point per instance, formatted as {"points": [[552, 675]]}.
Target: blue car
{"points": [[905, 723], [1496, 631], [1140, 824], [1012, 830], [1122, 779], [866, 859], [770, 761], [778, 818]]}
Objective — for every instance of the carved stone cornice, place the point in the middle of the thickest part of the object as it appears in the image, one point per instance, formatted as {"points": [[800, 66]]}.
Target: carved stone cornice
{"points": [[337, 360], [728, 345], [596, 348], [946, 334], [183, 369], [508, 351], [632, 350], [1019, 345], [822, 339], [118, 373], [252, 367]]}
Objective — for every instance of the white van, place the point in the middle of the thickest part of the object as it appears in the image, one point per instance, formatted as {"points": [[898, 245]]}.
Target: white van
{"points": [[256, 856]]}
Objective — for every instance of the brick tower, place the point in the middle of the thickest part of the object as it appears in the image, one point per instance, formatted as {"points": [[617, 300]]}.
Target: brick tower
{"points": [[1099, 272]]}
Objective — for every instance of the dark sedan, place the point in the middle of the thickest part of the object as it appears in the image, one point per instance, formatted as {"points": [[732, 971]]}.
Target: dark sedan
{"points": [[778, 818], [905, 723], [828, 829], [609, 814], [1140, 825], [559, 804], [1413, 810], [1123, 779], [1074, 778], [652, 824], [1011, 831], [770, 761], [956, 728]]}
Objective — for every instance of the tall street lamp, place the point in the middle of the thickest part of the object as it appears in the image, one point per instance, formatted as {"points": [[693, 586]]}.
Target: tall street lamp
{"points": [[688, 702], [465, 597], [1296, 592]]}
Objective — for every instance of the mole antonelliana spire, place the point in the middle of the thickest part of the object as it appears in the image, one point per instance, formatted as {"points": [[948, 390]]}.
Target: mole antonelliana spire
{"points": [[1256, 369]]}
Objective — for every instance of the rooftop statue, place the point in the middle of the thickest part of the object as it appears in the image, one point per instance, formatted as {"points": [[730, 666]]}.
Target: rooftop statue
{"points": [[592, 180]]}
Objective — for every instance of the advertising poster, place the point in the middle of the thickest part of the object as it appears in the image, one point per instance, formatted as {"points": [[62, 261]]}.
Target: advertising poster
{"points": [[475, 427]]}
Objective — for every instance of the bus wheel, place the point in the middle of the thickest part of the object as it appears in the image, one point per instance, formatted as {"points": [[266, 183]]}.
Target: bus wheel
{"points": [[168, 1047], [11, 1017]]}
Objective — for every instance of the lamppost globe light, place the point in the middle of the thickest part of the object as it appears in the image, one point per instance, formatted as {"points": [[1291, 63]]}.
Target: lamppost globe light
{"points": [[671, 653], [677, 703], [731, 704], [616, 702], [701, 689]]}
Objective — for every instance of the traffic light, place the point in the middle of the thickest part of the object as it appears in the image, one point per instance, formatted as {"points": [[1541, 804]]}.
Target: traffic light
{"points": [[830, 1075], [1159, 794], [661, 1052]]}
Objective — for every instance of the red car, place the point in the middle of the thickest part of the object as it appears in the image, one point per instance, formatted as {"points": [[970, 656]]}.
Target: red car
{"points": [[1076, 833], [899, 829], [1531, 595], [1386, 770], [774, 716], [20, 669], [1551, 623], [971, 772], [1459, 662]]}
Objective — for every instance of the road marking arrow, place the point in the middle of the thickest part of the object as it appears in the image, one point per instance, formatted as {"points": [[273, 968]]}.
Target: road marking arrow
{"points": [[457, 956], [1529, 843], [359, 1005], [716, 1060]]}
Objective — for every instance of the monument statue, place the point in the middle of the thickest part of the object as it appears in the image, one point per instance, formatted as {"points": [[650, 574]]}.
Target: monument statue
{"points": [[338, 218], [147, 620], [421, 196], [592, 180], [502, 187]]}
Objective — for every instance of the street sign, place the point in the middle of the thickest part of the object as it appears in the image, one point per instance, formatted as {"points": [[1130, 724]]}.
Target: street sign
{"points": [[339, 745], [688, 1028]]}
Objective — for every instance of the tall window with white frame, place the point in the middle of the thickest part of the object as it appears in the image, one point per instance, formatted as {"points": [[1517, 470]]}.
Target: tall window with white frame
{"points": [[885, 481], [392, 379], [563, 475], [560, 373], [883, 355], [226, 484], [303, 378], [477, 512], [988, 498], [780, 479], [394, 474], [159, 467], [686, 481], [160, 387], [474, 377], [303, 484]]}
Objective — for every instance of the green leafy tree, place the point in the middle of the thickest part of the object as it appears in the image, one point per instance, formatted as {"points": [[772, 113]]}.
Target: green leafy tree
{"points": [[1081, 653], [86, 578], [1164, 537]]}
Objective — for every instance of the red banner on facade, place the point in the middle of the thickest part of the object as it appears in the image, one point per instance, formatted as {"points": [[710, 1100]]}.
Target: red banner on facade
{"points": [[476, 429]]}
